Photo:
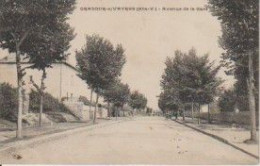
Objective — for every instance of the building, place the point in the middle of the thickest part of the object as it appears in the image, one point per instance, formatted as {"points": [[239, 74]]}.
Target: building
{"points": [[62, 79]]}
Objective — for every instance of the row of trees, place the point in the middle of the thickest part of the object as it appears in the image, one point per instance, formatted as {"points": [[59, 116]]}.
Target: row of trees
{"points": [[100, 65], [36, 31], [239, 21], [188, 79]]}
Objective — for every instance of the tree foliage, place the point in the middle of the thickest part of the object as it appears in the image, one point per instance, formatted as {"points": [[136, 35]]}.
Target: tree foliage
{"points": [[240, 30], [22, 21], [50, 46], [85, 100], [118, 94], [137, 100], [188, 78], [99, 63], [227, 101], [167, 101]]}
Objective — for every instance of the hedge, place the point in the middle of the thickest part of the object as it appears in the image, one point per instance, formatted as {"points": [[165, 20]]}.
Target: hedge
{"points": [[50, 104], [8, 102]]}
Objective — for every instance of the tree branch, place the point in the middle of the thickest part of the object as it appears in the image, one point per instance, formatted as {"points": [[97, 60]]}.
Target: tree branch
{"points": [[23, 38], [28, 67], [35, 85]]}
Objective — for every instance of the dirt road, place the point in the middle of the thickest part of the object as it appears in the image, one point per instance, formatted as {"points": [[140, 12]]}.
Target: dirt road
{"points": [[144, 140]]}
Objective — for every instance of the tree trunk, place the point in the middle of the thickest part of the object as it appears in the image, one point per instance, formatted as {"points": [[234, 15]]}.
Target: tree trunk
{"points": [[192, 110], [95, 111], [91, 96], [41, 97], [40, 112], [183, 113], [19, 72], [123, 111], [20, 97], [61, 84], [251, 97], [116, 112], [108, 110], [209, 120], [199, 115]]}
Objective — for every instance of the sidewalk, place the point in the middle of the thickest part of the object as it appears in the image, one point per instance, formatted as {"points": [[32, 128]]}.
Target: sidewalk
{"points": [[45, 135], [7, 136], [234, 136]]}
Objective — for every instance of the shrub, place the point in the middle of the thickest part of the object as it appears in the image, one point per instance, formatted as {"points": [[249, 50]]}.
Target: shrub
{"points": [[8, 102], [227, 101], [50, 104], [85, 101]]}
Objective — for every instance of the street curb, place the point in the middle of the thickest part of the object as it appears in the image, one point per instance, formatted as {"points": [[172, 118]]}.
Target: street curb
{"points": [[19, 144], [219, 139]]}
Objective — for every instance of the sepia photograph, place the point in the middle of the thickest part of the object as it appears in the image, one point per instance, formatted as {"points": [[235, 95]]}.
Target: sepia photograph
{"points": [[129, 82]]}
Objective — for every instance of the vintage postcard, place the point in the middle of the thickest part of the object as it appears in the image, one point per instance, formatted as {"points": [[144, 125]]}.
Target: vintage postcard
{"points": [[129, 82]]}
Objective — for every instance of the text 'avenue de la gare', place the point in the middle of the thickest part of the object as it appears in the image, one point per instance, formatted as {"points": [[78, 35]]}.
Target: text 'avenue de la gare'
{"points": [[143, 9]]}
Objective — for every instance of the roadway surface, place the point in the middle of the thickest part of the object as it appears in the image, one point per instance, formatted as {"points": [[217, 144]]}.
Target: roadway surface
{"points": [[143, 140]]}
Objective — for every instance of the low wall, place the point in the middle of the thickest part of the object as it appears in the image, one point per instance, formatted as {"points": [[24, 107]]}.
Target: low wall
{"points": [[76, 108], [88, 115], [102, 113], [82, 111]]}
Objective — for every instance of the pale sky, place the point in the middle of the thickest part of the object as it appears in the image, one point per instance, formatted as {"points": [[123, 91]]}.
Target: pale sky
{"points": [[148, 37]]}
